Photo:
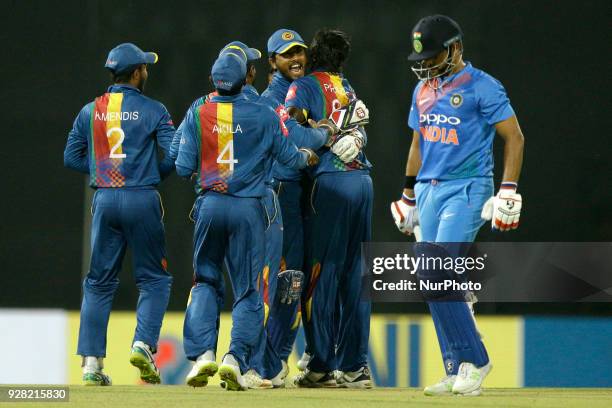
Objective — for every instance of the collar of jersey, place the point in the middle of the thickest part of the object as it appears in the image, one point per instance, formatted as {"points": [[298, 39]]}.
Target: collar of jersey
{"points": [[280, 82], [122, 87], [449, 79], [228, 98]]}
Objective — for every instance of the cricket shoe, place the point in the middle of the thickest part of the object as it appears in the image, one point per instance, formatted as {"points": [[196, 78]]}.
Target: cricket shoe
{"points": [[355, 379], [92, 372], [204, 367], [229, 372], [142, 358], [279, 380], [443, 387], [313, 379], [254, 381], [470, 378], [303, 361]]}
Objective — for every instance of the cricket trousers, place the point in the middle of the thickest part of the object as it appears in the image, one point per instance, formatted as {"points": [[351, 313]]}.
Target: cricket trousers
{"points": [[336, 318], [227, 229], [265, 359], [449, 212], [284, 319], [125, 217]]}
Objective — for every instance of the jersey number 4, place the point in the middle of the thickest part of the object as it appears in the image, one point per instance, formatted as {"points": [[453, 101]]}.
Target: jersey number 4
{"points": [[228, 151]]}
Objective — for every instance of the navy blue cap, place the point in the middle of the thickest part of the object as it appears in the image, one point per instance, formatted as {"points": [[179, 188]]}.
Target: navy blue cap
{"points": [[228, 71], [284, 39], [126, 56], [241, 49], [433, 34]]}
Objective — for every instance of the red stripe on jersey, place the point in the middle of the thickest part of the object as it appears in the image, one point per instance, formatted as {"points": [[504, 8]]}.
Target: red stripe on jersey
{"points": [[209, 144]]}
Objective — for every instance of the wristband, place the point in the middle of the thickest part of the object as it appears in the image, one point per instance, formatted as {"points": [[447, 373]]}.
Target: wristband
{"points": [[410, 182], [508, 185], [408, 200]]}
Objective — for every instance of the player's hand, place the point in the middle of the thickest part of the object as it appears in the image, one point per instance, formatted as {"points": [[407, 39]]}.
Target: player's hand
{"points": [[405, 214], [504, 210], [352, 116], [348, 146], [332, 130], [312, 159]]}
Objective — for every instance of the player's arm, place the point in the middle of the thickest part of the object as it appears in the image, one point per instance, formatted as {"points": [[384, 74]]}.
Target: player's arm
{"points": [[404, 210], [284, 151], [76, 152], [514, 142], [413, 165], [187, 158], [164, 133]]}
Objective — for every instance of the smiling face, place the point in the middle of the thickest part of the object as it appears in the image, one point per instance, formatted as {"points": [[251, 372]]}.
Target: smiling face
{"points": [[290, 63]]}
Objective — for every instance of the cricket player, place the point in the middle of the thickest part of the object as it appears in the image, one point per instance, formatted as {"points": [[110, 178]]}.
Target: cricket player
{"points": [[456, 111], [227, 144], [285, 240], [114, 140], [340, 220]]}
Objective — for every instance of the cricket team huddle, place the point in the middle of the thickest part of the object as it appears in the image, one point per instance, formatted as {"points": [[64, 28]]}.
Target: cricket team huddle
{"points": [[284, 201]]}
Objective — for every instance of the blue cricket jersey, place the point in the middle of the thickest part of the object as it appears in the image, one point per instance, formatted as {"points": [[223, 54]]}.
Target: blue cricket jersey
{"points": [[274, 97], [228, 143], [456, 124], [114, 139], [317, 95]]}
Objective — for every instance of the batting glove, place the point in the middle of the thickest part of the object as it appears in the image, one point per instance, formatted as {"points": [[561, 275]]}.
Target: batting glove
{"points": [[348, 146], [405, 214], [352, 116], [504, 210]]}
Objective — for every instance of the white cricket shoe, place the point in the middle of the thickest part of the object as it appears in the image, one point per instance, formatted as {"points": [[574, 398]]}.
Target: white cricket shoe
{"points": [[254, 381], [204, 367], [230, 374], [279, 380], [354, 379], [303, 361], [470, 378], [443, 387]]}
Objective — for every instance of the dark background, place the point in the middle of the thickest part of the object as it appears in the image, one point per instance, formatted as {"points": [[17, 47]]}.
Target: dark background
{"points": [[551, 56]]}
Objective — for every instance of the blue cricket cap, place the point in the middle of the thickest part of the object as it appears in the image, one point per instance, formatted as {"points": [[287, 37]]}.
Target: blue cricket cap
{"points": [[241, 49], [284, 39], [228, 71], [126, 56]]}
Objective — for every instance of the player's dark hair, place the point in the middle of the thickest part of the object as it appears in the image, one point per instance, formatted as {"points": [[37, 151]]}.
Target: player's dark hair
{"points": [[329, 50], [125, 76]]}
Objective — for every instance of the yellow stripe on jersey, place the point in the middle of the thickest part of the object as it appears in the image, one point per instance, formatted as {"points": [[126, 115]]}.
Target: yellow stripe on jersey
{"points": [[224, 136], [113, 124], [339, 88]]}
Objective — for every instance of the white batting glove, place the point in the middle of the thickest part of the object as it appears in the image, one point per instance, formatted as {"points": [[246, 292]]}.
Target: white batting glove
{"points": [[350, 117], [405, 214], [504, 210], [348, 146]]}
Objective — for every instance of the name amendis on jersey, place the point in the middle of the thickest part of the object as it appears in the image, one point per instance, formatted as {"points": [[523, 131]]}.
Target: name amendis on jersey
{"points": [[110, 116]]}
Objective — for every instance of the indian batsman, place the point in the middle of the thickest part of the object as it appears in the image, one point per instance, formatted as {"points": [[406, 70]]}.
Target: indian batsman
{"points": [[114, 139], [456, 111], [340, 220], [227, 144]]}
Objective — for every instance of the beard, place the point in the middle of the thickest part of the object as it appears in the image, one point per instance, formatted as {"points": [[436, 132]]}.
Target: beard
{"points": [[141, 84]]}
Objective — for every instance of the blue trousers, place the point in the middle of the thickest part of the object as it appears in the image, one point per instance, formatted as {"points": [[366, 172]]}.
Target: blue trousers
{"points": [[265, 359], [227, 229], [449, 211], [284, 319], [124, 218], [340, 222]]}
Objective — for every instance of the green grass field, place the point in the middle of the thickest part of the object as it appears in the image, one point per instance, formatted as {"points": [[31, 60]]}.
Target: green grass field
{"points": [[215, 397]]}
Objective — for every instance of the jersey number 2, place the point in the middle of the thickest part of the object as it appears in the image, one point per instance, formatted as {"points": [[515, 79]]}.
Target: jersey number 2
{"points": [[118, 142], [229, 151]]}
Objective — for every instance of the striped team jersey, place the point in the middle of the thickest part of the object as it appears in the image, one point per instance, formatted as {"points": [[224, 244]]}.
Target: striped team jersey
{"points": [[115, 139], [456, 124], [317, 95], [228, 144]]}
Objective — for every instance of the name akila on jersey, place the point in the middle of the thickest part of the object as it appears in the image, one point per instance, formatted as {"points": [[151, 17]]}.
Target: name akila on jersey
{"points": [[226, 128], [433, 132], [109, 116]]}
